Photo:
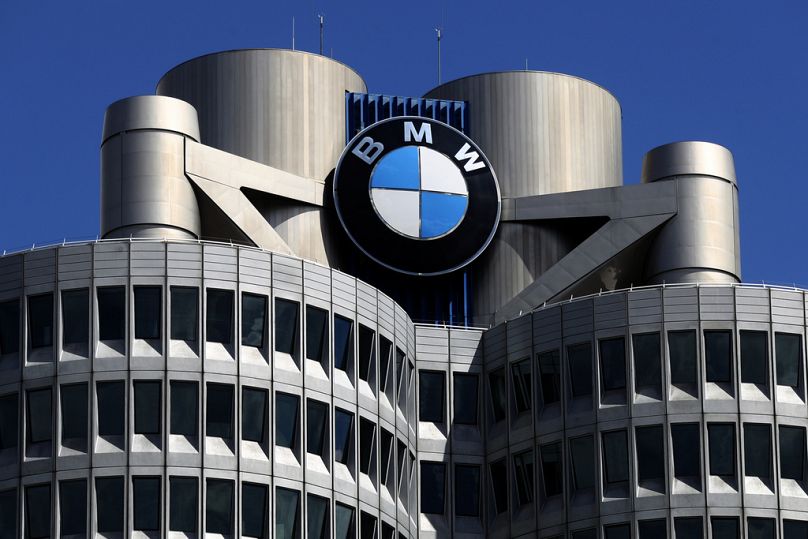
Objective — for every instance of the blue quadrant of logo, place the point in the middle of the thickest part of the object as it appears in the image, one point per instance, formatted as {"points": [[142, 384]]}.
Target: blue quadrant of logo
{"points": [[398, 169], [440, 213]]}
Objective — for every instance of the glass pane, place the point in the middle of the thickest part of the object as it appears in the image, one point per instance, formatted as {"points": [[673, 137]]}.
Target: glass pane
{"points": [[40, 320], [368, 526], [580, 363], [647, 363], [465, 399], [498, 394], [721, 437], [9, 421], [8, 514], [650, 453], [795, 529], [343, 343], [367, 352], [590, 533], [39, 416], [219, 316], [367, 431], [317, 413], [285, 420], [499, 482], [253, 510], [788, 351], [184, 408], [148, 312], [613, 364], [343, 521], [652, 529], [219, 411], [184, 313], [582, 451], [316, 334], [467, 490], [718, 355], [725, 527], [286, 326], [685, 439], [317, 517], [253, 414], [431, 395], [433, 487], [147, 407], [757, 449], [75, 316], [386, 460], [253, 320], [38, 511], [388, 532], [286, 504], [74, 412], [109, 504], [760, 528], [342, 435], [688, 528], [112, 313], [183, 498], [523, 475], [755, 357], [385, 353], [682, 350], [617, 531], [9, 327], [550, 376], [522, 386], [792, 453], [219, 507], [73, 507], [615, 457], [551, 470], [111, 408], [146, 503]]}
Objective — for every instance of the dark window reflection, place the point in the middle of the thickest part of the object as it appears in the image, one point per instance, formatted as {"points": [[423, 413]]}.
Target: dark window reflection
{"points": [[147, 407], [685, 440], [285, 420], [647, 362], [755, 357], [40, 416], [317, 417], [688, 528], [368, 526], [650, 453], [253, 414], [721, 438], [286, 509], [523, 475], [254, 510], [367, 352], [184, 313], [465, 399], [317, 517], [343, 430], [615, 458], [75, 317], [718, 356], [38, 511], [792, 453], [148, 312], [73, 507], [757, 450], [433, 486], [367, 437], [582, 451], [580, 364], [386, 463], [795, 529], [431, 396], [219, 416], [788, 352], [613, 364], [682, 351], [467, 490], [253, 319], [551, 469], [725, 527], [590, 533], [498, 394], [550, 376], [184, 408], [109, 504], [146, 503], [760, 528], [74, 412], [343, 521], [111, 408], [343, 343], [499, 483], [9, 327], [316, 334], [219, 316], [219, 503], [40, 320], [112, 313], [385, 354], [183, 497], [286, 326], [617, 531], [9, 421], [652, 529], [522, 386]]}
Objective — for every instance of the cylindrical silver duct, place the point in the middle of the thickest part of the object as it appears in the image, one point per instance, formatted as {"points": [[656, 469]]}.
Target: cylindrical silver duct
{"points": [[144, 191], [701, 243]]}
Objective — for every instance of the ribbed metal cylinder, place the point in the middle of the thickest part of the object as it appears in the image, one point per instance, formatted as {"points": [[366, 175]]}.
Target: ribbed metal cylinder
{"points": [[701, 243], [144, 191]]}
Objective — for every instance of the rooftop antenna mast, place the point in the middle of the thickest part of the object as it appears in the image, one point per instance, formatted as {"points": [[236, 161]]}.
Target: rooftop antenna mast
{"points": [[293, 33], [438, 31], [321, 18]]}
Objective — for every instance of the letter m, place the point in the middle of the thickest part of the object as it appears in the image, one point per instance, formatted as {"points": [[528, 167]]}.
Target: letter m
{"points": [[470, 157], [424, 132]]}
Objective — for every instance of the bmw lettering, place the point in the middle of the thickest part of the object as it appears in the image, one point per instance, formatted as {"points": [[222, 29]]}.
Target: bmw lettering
{"points": [[417, 196]]}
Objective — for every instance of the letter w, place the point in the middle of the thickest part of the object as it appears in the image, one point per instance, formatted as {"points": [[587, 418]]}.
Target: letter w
{"points": [[470, 158]]}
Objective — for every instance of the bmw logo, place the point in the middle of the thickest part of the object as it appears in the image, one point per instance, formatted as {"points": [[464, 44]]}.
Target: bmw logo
{"points": [[417, 196]]}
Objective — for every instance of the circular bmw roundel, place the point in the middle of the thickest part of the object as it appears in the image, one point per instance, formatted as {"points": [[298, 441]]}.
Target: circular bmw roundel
{"points": [[417, 196]]}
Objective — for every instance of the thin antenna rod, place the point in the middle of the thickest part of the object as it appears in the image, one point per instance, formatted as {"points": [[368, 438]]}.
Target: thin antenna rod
{"points": [[438, 31], [293, 33], [526, 64], [321, 17]]}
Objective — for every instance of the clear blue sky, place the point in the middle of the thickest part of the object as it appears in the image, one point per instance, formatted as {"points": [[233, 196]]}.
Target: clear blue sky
{"points": [[731, 72]]}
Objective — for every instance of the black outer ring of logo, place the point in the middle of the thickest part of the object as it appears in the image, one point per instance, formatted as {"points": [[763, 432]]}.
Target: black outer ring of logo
{"points": [[393, 250]]}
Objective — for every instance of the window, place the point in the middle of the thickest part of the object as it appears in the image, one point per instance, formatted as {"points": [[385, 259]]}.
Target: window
{"points": [[74, 416], [387, 458], [253, 319], [219, 504], [385, 353], [39, 416], [286, 507], [617, 531], [725, 527], [499, 483], [788, 352], [343, 521], [343, 431], [523, 475], [550, 377], [579, 357], [286, 420], [682, 352], [433, 486], [8, 514], [367, 440], [401, 381], [183, 498], [109, 504], [757, 450], [792, 453], [498, 394], [718, 356], [367, 353], [9, 422], [754, 357], [38, 511], [647, 364], [688, 528], [467, 490], [522, 388], [582, 453], [760, 528], [9, 327], [316, 335], [652, 529], [431, 396], [613, 364], [219, 317], [317, 417], [343, 343], [184, 313], [148, 312], [219, 411], [650, 453], [75, 317], [254, 414], [615, 459], [721, 438], [795, 529], [590, 533], [286, 313], [40, 320], [146, 503], [253, 510], [184, 409], [388, 531], [73, 507], [465, 399], [111, 408], [317, 519], [112, 313], [551, 469], [368, 526], [685, 440], [147, 407]]}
